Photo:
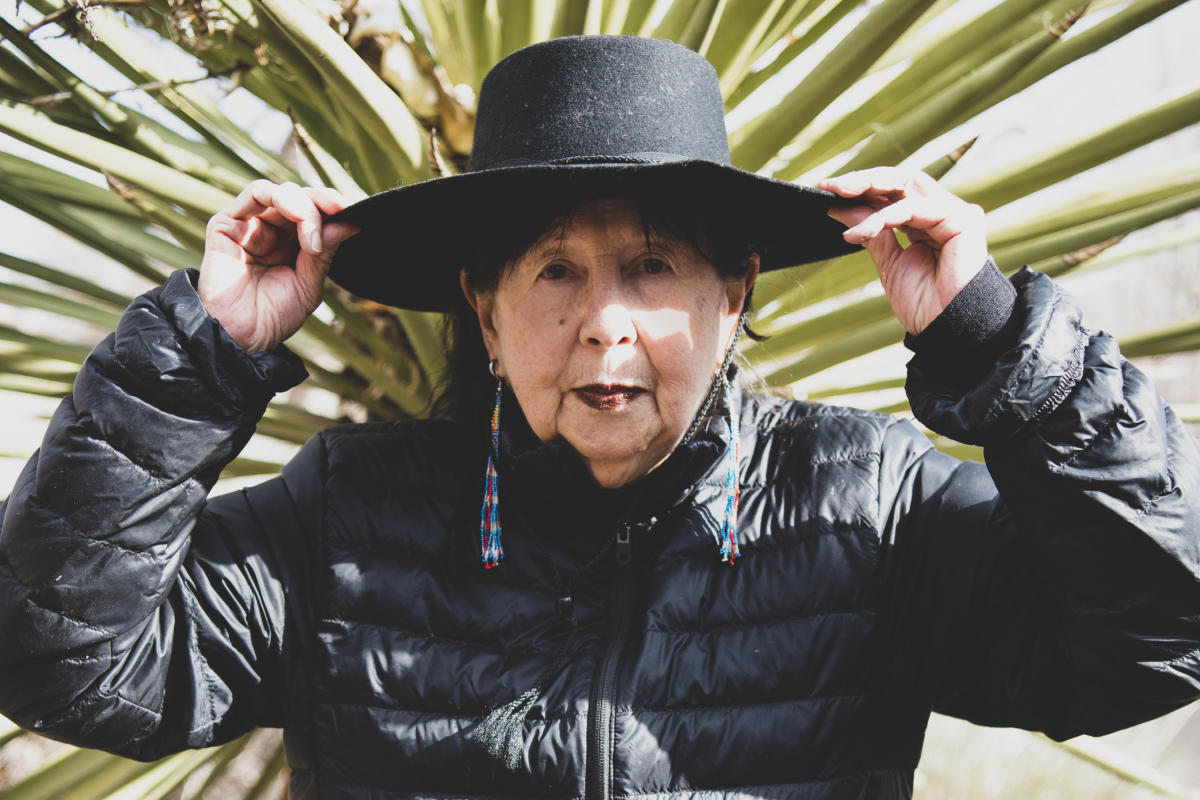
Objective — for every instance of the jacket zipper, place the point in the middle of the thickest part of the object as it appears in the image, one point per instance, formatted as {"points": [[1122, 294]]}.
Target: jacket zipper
{"points": [[600, 707]]}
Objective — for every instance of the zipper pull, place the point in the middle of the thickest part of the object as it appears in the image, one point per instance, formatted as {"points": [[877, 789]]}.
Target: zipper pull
{"points": [[624, 544]]}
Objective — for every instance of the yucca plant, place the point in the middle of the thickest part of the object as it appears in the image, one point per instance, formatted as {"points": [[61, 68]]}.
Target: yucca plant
{"points": [[378, 93]]}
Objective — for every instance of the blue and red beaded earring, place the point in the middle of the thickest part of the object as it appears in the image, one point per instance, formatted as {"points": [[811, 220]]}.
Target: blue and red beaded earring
{"points": [[733, 489], [492, 551], [728, 537]]}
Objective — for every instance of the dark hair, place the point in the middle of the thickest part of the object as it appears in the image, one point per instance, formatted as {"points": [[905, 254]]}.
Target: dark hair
{"points": [[468, 389]]}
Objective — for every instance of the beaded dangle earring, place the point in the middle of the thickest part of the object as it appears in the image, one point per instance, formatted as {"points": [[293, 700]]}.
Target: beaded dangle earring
{"points": [[728, 538], [733, 489], [491, 549]]}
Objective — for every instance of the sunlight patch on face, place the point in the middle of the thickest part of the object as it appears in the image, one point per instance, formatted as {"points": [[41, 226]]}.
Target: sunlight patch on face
{"points": [[610, 339]]}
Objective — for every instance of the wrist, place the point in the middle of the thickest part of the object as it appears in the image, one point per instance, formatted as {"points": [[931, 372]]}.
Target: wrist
{"points": [[231, 317], [975, 319], [269, 369]]}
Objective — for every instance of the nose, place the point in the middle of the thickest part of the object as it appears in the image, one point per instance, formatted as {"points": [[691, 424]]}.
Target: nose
{"points": [[608, 320]]}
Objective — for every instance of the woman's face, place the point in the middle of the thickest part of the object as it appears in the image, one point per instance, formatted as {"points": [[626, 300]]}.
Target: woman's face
{"points": [[609, 343]]}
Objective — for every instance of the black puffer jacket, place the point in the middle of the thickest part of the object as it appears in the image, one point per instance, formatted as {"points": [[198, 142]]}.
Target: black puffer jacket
{"points": [[345, 601]]}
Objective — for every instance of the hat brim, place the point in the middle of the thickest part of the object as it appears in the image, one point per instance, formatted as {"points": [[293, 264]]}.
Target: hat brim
{"points": [[415, 238]]}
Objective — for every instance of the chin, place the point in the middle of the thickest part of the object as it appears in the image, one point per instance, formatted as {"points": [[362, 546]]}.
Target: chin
{"points": [[615, 463], [595, 452]]}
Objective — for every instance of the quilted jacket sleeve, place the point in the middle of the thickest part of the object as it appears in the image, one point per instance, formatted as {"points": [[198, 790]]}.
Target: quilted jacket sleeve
{"points": [[1059, 589], [134, 618]]}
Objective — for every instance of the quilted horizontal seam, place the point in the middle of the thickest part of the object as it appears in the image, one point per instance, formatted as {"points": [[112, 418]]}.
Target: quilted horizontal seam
{"points": [[393, 792], [222, 384], [426, 635], [558, 717], [29, 599], [158, 480], [691, 791], [80, 661], [833, 460], [373, 431], [102, 542], [847, 458], [402, 432], [729, 706], [335, 544], [1111, 420], [157, 715], [158, 316], [761, 623], [824, 528], [772, 419], [388, 479], [777, 541]]}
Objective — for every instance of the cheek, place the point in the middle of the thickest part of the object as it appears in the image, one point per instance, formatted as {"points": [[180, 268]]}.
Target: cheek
{"points": [[676, 346], [528, 335], [669, 326], [691, 332], [685, 348], [533, 351]]}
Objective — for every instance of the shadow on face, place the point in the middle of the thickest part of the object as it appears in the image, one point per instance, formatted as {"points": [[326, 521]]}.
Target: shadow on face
{"points": [[610, 333]]}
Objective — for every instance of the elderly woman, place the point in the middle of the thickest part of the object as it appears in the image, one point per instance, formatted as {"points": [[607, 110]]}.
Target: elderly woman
{"points": [[607, 570]]}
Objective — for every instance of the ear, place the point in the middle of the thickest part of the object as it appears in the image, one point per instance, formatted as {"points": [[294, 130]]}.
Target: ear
{"points": [[482, 303], [738, 289]]}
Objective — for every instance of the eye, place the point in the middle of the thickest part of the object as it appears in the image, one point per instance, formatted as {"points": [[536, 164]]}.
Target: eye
{"points": [[653, 266], [554, 272]]}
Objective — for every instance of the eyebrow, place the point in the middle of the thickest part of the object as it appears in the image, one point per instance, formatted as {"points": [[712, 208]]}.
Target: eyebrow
{"points": [[555, 244], [547, 248]]}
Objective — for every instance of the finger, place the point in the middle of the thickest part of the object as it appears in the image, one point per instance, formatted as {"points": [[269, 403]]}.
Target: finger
{"points": [[276, 204], [884, 250], [334, 233], [311, 270], [250, 201], [256, 235], [850, 216], [936, 219], [880, 180], [259, 238], [275, 217], [329, 201], [298, 207]]}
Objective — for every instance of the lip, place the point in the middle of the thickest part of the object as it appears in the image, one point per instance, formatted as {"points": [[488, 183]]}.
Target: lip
{"points": [[607, 396]]}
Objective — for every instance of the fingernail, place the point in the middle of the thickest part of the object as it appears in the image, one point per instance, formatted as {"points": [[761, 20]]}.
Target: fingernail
{"points": [[314, 240]]}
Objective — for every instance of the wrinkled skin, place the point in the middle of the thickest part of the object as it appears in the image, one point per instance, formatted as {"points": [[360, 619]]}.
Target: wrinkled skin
{"points": [[948, 238], [265, 259], [608, 343]]}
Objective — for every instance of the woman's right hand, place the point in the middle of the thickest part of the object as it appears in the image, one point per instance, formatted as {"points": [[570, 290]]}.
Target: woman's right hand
{"points": [[265, 260]]}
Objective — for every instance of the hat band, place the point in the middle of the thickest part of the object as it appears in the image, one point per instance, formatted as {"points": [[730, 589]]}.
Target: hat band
{"points": [[623, 158]]}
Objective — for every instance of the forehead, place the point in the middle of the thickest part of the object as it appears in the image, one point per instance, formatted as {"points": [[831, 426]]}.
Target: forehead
{"points": [[601, 222]]}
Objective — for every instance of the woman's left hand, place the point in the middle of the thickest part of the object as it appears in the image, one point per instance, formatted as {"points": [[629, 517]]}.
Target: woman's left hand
{"points": [[947, 235]]}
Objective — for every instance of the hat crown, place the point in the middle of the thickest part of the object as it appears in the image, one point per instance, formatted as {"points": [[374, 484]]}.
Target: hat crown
{"points": [[599, 98]]}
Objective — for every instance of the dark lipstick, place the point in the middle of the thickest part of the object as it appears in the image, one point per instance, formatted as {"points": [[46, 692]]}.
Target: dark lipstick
{"points": [[606, 397]]}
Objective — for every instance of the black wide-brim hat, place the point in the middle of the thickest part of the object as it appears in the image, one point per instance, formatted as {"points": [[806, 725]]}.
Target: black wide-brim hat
{"points": [[572, 116]]}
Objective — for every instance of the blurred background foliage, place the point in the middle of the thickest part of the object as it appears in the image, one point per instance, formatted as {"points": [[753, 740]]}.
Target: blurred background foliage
{"points": [[125, 124]]}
